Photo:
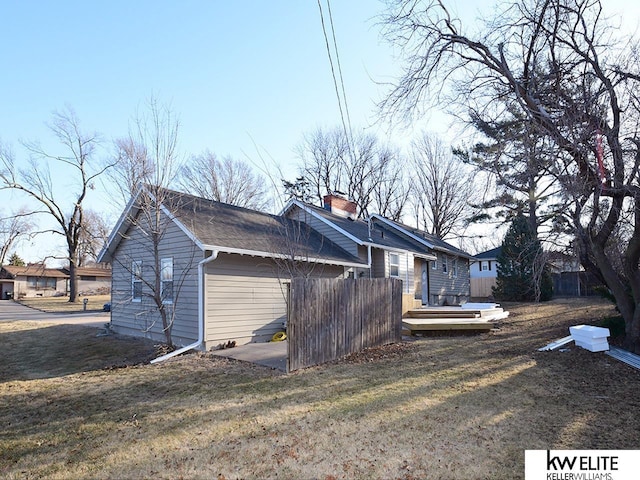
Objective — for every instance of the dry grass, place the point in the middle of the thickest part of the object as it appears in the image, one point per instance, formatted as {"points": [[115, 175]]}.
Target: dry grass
{"points": [[461, 407], [62, 304]]}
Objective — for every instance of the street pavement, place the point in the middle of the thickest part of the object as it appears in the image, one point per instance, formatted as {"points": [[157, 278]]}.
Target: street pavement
{"points": [[12, 311]]}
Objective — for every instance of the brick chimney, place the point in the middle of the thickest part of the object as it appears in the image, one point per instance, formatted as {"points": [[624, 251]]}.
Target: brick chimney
{"points": [[340, 206]]}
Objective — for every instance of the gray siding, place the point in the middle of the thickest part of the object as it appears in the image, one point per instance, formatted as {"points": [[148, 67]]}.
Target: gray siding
{"points": [[140, 318], [246, 298], [378, 263], [327, 231], [447, 287]]}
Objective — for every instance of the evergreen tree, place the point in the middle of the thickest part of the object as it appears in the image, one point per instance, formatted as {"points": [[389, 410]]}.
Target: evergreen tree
{"points": [[16, 260], [522, 274]]}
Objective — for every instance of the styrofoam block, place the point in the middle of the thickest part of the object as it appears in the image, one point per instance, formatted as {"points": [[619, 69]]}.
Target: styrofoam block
{"points": [[588, 345], [596, 348], [589, 331]]}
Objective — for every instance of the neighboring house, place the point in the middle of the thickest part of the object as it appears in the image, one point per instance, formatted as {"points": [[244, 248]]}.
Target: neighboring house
{"points": [[94, 280], [227, 270], [484, 271], [569, 277], [34, 280], [432, 271]]}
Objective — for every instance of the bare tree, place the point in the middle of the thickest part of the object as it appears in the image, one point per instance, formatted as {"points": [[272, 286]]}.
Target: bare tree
{"points": [[93, 236], [65, 208], [443, 188], [131, 167], [562, 66], [152, 262], [359, 167], [12, 229], [224, 180]]}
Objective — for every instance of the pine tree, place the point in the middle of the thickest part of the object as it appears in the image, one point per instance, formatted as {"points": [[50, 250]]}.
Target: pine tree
{"points": [[522, 275], [16, 260]]}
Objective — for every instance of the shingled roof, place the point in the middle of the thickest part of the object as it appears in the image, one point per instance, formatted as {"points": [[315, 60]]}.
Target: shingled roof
{"points": [[384, 232], [229, 228], [34, 270]]}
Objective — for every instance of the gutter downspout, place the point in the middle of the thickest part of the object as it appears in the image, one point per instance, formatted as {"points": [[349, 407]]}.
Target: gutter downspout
{"points": [[369, 260], [200, 340]]}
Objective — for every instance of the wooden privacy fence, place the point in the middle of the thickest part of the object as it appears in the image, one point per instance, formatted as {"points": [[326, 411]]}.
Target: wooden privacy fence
{"points": [[331, 318]]}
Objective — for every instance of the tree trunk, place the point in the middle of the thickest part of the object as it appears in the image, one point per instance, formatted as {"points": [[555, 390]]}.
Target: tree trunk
{"points": [[632, 333], [73, 280]]}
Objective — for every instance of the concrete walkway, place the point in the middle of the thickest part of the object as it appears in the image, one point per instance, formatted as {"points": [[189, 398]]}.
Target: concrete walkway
{"points": [[268, 354], [12, 311]]}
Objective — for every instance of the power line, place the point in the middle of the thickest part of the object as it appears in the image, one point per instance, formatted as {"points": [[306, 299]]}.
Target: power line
{"points": [[335, 47], [333, 74]]}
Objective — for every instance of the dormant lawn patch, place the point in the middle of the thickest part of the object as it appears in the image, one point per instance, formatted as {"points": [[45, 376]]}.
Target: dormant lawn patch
{"points": [[460, 407], [62, 304]]}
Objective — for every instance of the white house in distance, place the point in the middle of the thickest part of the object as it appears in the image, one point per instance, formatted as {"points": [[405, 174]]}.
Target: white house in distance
{"points": [[484, 271]]}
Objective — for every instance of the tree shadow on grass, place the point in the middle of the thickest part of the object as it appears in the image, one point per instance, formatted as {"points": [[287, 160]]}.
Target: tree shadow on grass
{"points": [[59, 350]]}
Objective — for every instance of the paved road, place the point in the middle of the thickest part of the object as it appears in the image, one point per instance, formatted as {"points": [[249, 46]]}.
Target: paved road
{"points": [[11, 311]]}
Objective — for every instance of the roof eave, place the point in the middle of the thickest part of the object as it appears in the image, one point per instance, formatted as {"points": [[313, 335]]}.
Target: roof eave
{"points": [[281, 256]]}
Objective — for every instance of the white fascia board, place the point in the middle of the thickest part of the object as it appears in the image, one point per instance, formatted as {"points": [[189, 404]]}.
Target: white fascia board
{"points": [[281, 256], [118, 231], [290, 203], [317, 216], [182, 227], [426, 256], [406, 232]]}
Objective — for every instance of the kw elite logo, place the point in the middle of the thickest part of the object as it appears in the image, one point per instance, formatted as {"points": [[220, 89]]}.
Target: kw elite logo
{"points": [[581, 467], [582, 464]]}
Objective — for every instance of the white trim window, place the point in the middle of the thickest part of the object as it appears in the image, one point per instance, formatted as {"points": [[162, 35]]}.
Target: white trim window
{"points": [[454, 267], [136, 281], [485, 266], [434, 264], [166, 280], [445, 267], [394, 265]]}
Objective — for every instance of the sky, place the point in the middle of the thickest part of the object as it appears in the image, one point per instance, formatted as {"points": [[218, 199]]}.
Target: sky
{"points": [[246, 79]]}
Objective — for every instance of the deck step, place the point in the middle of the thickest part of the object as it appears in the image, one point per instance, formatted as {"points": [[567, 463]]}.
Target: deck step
{"points": [[423, 313], [423, 325]]}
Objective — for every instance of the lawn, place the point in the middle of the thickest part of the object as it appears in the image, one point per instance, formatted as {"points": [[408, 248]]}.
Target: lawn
{"points": [[62, 305], [442, 407]]}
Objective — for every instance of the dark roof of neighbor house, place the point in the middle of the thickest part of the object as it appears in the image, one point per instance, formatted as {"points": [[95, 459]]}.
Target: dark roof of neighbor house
{"points": [[240, 230], [489, 254], [34, 270], [91, 271], [387, 235]]}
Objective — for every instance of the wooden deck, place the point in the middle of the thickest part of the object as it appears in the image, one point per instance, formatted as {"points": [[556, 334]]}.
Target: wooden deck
{"points": [[428, 319]]}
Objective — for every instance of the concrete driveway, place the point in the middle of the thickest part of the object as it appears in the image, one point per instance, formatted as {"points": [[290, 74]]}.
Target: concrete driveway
{"points": [[12, 311]]}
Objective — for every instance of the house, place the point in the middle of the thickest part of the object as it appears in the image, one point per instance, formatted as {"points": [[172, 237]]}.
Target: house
{"points": [[433, 271], [94, 280], [484, 271], [33, 280], [570, 278], [227, 269]]}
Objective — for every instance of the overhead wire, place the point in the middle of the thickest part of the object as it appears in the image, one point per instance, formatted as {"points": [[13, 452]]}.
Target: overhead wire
{"points": [[346, 124]]}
